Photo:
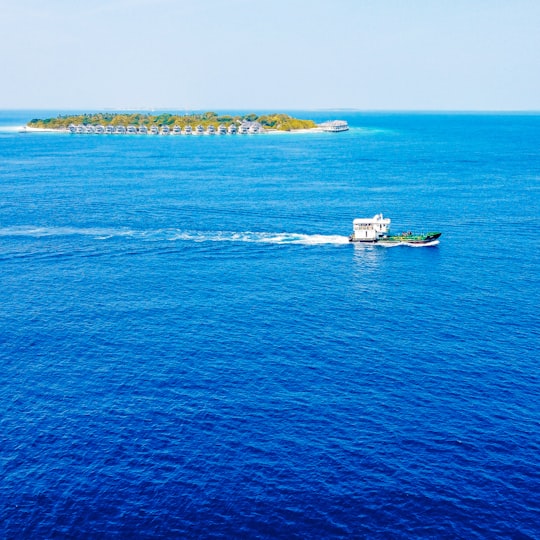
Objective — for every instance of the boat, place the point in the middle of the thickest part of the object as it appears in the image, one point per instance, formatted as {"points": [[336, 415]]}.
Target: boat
{"points": [[177, 130], [154, 130], [376, 230], [221, 130], [231, 130], [131, 130], [109, 130], [188, 130], [199, 130], [334, 126], [143, 130], [211, 130]]}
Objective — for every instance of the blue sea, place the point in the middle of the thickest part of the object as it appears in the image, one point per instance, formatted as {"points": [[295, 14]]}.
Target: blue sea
{"points": [[191, 348]]}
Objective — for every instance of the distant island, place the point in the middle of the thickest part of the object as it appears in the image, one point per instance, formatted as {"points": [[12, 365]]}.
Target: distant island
{"points": [[279, 122]]}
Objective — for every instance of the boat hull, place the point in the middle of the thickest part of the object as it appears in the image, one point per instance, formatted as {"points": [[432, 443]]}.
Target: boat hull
{"points": [[414, 239]]}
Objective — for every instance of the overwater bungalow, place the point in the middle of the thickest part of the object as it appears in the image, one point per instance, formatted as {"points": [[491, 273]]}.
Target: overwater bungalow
{"points": [[335, 126], [254, 128]]}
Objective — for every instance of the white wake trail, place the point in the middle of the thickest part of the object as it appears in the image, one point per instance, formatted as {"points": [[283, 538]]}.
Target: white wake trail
{"points": [[173, 234]]}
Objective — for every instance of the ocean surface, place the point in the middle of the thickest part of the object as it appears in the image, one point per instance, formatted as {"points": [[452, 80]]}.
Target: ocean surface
{"points": [[191, 348]]}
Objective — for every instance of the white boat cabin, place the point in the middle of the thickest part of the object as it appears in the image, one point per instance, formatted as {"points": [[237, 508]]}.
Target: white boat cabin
{"points": [[370, 229]]}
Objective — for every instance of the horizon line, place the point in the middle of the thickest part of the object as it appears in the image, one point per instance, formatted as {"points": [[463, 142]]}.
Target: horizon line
{"points": [[273, 109]]}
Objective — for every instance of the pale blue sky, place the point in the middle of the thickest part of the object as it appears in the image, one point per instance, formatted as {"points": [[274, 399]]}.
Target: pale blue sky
{"points": [[270, 54]]}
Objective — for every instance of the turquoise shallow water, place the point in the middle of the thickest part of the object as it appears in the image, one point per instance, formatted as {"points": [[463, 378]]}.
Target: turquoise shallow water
{"points": [[191, 347]]}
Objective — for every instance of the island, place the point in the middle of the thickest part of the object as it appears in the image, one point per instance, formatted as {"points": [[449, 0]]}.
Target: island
{"points": [[207, 120], [208, 123]]}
